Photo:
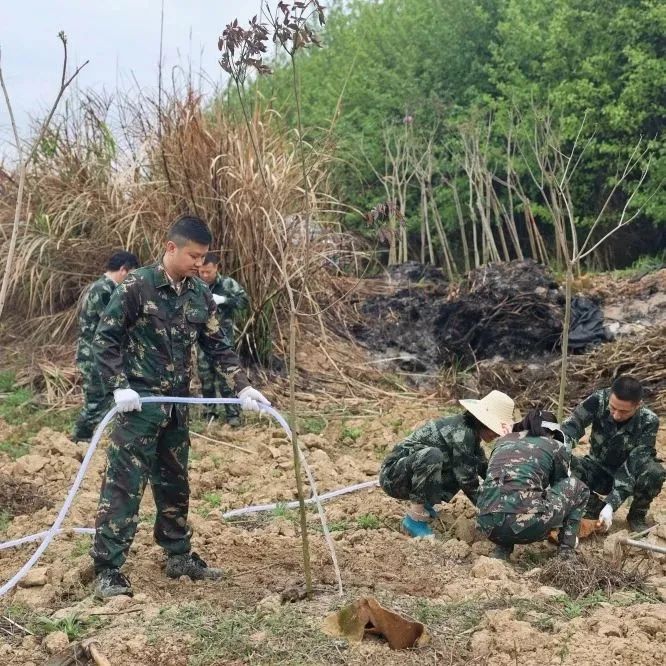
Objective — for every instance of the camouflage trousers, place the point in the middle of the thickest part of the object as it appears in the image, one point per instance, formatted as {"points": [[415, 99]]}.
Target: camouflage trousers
{"points": [[641, 476], [213, 380], [96, 402], [562, 507], [418, 476], [150, 445]]}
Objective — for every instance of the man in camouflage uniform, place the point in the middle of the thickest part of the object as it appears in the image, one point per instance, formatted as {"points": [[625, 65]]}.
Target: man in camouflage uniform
{"points": [[623, 458], [95, 299], [442, 457], [143, 346], [528, 491], [230, 299]]}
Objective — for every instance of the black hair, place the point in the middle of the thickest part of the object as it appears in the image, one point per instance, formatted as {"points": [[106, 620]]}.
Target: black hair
{"points": [[122, 259], [210, 258], [190, 228], [627, 388], [472, 422], [532, 423]]}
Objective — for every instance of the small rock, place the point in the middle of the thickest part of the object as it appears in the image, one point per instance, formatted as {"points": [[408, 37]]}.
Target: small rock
{"points": [[356, 537], [482, 643], [547, 592], [486, 567], [612, 547], [650, 625], [465, 529], [136, 645], [122, 601], [483, 547], [607, 629], [30, 464], [455, 549], [56, 642], [36, 577], [270, 604], [623, 597], [35, 597], [140, 598]]}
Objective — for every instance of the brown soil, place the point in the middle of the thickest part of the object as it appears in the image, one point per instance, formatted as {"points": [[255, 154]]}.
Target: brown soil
{"points": [[18, 496], [476, 609]]}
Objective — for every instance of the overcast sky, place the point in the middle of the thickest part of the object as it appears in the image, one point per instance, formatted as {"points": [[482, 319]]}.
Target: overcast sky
{"points": [[119, 37]]}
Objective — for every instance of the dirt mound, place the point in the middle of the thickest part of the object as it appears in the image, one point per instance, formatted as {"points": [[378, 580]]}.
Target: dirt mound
{"points": [[400, 326], [514, 310], [19, 497], [537, 382]]}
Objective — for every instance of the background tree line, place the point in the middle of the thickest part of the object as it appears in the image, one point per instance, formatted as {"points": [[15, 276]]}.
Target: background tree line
{"points": [[435, 104]]}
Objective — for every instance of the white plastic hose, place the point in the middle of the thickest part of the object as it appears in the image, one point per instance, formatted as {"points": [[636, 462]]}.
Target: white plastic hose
{"points": [[48, 535]]}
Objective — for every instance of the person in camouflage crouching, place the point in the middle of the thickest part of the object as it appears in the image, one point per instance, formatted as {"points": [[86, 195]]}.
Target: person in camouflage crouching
{"points": [[528, 490], [230, 299], [95, 298], [622, 460], [442, 457], [143, 347]]}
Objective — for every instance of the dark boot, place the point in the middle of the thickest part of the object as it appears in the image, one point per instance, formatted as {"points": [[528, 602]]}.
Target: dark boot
{"points": [[234, 421], [637, 520], [567, 544], [111, 583], [190, 564]]}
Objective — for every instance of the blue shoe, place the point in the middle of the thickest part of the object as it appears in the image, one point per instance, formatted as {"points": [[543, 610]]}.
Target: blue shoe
{"points": [[431, 511], [416, 529]]}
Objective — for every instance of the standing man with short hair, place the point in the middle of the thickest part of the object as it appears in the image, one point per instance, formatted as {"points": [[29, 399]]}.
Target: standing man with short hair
{"points": [[623, 457], [143, 347], [95, 299], [230, 298]]}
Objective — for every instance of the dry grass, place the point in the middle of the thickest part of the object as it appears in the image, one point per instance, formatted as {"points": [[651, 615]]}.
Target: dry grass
{"points": [[90, 192], [583, 575]]}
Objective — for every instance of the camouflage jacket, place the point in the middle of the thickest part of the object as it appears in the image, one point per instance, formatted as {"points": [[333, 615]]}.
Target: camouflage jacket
{"points": [[236, 300], [519, 471], [611, 442], [95, 299], [464, 457], [144, 338]]}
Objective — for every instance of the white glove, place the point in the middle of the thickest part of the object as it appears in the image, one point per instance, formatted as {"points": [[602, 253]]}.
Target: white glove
{"points": [[251, 399], [219, 300], [127, 400], [606, 517]]}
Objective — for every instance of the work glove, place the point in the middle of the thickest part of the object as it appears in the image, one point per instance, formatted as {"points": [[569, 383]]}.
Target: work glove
{"points": [[252, 400], [606, 518], [219, 300], [127, 400]]}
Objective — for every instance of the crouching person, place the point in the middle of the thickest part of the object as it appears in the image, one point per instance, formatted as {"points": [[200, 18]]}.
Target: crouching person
{"points": [[528, 490], [442, 457]]}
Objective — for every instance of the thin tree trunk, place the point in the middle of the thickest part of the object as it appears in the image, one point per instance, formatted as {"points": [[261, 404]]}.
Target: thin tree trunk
{"points": [[426, 223], [461, 224], [565, 342]]}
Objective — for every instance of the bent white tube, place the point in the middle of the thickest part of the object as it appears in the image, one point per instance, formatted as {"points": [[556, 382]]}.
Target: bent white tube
{"points": [[11, 583], [41, 535], [260, 508], [48, 535], [233, 513]]}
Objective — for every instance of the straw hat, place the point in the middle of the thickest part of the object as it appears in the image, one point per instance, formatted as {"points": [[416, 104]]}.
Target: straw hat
{"points": [[495, 411]]}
